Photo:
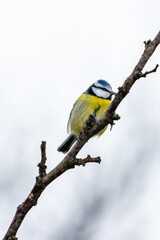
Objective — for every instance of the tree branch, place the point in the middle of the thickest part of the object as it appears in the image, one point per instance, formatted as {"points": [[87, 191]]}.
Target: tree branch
{"points": [[41, 165], [70, 160], [149, 72], [80, 161]]}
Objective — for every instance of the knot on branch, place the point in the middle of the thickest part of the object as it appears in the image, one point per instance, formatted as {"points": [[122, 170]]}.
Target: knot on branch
{"points": [[137, 75], [42, 169], [147, 43]]}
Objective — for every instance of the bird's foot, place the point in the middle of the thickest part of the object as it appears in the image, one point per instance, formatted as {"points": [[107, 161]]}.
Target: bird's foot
{"points": [[115, 117]]}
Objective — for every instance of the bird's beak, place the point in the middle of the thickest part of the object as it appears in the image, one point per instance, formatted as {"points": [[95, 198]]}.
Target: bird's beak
{"points": [[113, 93]]}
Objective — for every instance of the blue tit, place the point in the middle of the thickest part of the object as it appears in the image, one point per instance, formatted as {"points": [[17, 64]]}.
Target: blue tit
{"points": [[94, 101]]}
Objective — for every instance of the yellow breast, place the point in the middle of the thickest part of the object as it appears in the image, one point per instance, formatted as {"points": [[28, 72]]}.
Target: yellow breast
{"points": [[85, 106]]}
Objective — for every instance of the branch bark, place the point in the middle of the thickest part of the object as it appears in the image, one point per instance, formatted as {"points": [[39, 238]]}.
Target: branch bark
{"points": [[70, 160]]}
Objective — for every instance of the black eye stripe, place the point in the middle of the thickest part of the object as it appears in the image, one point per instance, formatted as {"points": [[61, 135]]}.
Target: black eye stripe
{"points": [[104, 89]]}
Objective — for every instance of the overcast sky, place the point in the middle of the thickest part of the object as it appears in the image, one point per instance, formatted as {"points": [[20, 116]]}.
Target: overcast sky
{"points": [[50, 52]]}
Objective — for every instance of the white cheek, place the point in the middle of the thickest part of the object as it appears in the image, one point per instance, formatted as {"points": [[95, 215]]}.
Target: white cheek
{"points": [[100, 93]]}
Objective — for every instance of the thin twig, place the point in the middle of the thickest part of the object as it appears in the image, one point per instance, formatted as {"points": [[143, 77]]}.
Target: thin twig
{"points": [[41, 165], [149, 72], [83, 161]]}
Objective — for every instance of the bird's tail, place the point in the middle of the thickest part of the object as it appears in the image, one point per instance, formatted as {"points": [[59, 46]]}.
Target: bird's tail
{"points": [[67, 144]]}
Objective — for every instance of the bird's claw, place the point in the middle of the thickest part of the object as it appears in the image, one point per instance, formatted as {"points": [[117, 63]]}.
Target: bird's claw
{"points": [[115, 117]]}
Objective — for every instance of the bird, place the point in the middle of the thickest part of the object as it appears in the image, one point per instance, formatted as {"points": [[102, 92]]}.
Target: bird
{"points": [[94, 101]]}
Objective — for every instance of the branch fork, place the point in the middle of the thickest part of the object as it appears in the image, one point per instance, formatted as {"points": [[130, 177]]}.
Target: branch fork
{"points": [[148, 72]]}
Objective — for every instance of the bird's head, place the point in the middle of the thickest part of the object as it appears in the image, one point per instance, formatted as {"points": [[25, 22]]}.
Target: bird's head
{"points": [[101, 89]]}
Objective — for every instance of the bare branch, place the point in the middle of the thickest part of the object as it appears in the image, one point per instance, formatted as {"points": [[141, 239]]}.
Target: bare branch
{"points": [[41, 165], [70, 160], [80, 161], [149, 72]]}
